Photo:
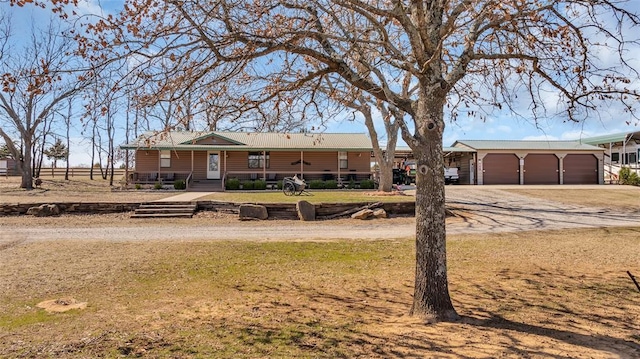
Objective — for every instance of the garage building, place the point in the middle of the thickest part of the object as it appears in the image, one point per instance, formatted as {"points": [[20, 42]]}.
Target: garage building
{"points": [[529, 162]]}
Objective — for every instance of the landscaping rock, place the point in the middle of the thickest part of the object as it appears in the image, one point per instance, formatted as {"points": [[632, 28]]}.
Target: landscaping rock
{"points": [[253, 211], [380, 213], [44, 210], [306, 211], [364, 214]]}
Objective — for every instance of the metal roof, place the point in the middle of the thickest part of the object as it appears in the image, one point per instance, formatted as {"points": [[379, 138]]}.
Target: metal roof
{"points": [[612, 138], [186, 140], [525, 145]]}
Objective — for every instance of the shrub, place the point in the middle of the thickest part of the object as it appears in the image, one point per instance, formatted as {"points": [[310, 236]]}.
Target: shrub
{"points": [[260, 184], [180, 184], [138, 186], [247, 185], [316, 184], [331, 184], [367, 184], [232, 184], [352, 184], [157, 185], [628, 177], [279, 185]]}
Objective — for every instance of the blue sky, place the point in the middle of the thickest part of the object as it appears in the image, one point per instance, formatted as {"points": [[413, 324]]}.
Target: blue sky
{"points": [[499, 126]]}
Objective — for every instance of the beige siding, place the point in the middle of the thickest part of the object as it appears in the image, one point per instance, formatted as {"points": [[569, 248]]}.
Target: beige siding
{"points": [[359, 161], [321, 161], [147, 160], [237, 161], [200, 165], [280, 163], [180, 161], [464, 169]]}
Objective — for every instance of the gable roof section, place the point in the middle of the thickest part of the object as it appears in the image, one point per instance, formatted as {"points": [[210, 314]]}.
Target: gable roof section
{"points": [[486, 145], [252, 141], [612, 138]]}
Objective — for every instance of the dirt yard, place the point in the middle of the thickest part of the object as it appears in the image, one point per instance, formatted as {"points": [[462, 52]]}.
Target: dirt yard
{"points": [[527, 275]]}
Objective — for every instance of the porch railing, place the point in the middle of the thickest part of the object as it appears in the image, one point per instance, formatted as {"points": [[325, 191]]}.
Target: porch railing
{"points": [[159, 176]]}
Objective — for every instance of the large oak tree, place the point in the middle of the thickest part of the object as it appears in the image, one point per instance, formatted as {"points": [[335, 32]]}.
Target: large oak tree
{"points": [[471, 56], [38, 73]]}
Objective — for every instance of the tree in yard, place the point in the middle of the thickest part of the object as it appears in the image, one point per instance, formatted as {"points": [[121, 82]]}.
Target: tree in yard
{"points": [[36, 77], [4, 151], [457, 56], [57, 151]]}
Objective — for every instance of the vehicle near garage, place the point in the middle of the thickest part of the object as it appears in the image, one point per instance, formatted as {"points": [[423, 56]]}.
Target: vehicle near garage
{"points": [[407, 175], [451, 175]]}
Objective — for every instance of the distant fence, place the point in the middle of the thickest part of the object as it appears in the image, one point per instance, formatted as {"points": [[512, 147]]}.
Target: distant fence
{"points": [[79, 172]]}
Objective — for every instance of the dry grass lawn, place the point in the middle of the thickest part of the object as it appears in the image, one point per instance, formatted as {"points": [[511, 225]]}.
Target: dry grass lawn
{"points": [[560, 294], [75, 190], [554, 294]]}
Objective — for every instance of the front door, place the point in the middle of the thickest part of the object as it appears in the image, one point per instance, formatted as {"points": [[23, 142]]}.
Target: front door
{"points": [[213, 166]]}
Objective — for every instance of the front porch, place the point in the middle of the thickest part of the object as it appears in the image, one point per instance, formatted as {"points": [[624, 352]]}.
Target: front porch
{"points": [[347, 169]]}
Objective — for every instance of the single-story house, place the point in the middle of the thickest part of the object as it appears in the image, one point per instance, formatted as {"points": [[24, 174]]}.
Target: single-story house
{"points": [[212, 157], [620, 149], [485, 162]]}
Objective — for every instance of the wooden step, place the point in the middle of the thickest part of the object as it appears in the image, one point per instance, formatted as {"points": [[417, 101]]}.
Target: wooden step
{"points": [[165, 210], [162, 215], [177, 206]]}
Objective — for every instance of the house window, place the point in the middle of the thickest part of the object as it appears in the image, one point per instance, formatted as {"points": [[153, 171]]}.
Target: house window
{"points": [[615, 157], [165, 158], [630, 157], [342, 158], [256, 160]]}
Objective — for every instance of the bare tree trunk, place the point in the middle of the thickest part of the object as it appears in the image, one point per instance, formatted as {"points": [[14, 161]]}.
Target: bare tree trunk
{"points": [[93, 149], [111, 150], [68, 123], [25, 166], [431, 294]]}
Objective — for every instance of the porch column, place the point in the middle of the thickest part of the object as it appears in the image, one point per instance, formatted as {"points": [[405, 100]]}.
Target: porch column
{"points": [[610, 165], [159, 163], [521, 157], [481, 156], [192, 164], [301, 164], [561, 166], [338, 159], [264, 165]]}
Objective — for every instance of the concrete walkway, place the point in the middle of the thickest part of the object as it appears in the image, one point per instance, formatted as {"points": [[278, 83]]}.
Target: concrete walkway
{"points": [[184, 197]]}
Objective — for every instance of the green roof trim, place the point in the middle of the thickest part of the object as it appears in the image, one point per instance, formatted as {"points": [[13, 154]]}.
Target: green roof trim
{"points": [[611, 138], [523, 145]]}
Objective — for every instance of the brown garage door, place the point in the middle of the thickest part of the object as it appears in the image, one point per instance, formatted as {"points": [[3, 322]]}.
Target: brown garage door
{"points": [[501, 168], [580, 169], [541, 169]]}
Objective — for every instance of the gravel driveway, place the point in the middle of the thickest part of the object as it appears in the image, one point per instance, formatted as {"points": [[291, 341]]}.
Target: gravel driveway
{"points": [[484, 209]]}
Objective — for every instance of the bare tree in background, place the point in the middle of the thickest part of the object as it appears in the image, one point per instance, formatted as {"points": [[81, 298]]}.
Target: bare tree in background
{"points": [[458, 56], [36, 77]]}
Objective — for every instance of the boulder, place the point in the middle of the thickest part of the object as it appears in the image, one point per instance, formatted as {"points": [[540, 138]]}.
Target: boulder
{"points": [[364, 214], [306, 211], [253, 211], [44, 210], [380, 213]]}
